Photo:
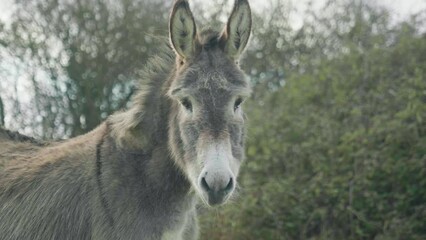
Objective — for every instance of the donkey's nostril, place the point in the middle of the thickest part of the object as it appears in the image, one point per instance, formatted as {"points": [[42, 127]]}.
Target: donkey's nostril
{"points": [[220, 189], [229, 186], [204, 185]]}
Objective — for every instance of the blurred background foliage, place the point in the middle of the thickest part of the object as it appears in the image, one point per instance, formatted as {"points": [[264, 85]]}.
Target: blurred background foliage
{"points": [[337, 136]]}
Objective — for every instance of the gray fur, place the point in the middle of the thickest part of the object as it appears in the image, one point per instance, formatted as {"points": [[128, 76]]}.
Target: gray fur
{"points": [[137, 175]]}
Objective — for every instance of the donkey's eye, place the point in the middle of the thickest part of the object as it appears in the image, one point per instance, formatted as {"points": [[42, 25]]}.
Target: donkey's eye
{"points": [[238, 103], [186, 103]]}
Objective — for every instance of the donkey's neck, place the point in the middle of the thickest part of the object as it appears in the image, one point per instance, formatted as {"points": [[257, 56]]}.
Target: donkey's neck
{"points": [[143, 129], [146, 186], [141, 163]]}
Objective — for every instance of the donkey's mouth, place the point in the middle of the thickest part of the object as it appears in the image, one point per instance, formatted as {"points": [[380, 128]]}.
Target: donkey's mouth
{"points": [[215, 199]]}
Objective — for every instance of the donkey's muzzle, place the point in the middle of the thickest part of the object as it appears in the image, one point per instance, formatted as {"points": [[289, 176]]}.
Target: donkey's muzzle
{"points": [[217, 191]]}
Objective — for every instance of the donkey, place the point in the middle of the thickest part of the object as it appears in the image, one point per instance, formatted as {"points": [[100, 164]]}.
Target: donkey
{"points": [[138, 175]]}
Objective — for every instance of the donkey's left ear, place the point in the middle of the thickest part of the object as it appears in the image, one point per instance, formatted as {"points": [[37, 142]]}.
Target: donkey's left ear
{"points": [[237, 31]]}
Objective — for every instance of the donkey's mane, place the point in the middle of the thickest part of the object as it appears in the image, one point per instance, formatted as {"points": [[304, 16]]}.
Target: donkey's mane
{"points": [[127, 126], [209, 38]]}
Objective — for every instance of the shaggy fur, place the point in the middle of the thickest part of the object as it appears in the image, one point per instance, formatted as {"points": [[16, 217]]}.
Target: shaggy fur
{"points": [[132, 176]]}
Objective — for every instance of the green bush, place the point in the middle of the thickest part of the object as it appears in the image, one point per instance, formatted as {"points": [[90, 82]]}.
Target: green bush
{"points": [[339, 152]]}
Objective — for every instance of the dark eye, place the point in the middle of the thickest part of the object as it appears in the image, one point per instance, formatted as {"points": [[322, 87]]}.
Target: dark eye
{"points": [[238, 103], [186, 103]]}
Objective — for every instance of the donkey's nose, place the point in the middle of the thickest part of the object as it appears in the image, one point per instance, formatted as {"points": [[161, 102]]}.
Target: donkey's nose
{"points": [[216, 188]]}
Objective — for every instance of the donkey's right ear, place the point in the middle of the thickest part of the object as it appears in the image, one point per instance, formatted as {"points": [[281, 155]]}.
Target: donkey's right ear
{"points": [[182, 29]]}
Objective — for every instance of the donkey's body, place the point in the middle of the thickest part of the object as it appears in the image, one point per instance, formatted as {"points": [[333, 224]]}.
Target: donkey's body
{"points": [[90, 187], [14, 145], [136, 175]]}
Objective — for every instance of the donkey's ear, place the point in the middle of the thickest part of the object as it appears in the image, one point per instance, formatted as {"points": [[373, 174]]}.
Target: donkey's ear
{"points": [[238, 29], [182, 29]]}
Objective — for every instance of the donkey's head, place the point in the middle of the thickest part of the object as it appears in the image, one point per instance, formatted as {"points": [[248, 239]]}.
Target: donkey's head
{"points": [[207, 123]]}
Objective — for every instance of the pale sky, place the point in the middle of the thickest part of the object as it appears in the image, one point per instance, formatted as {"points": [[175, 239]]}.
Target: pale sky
{"points": [[399, 8]]}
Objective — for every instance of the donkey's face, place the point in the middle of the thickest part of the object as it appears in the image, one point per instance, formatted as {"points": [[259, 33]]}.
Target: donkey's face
{"points": [[207, 130]]}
